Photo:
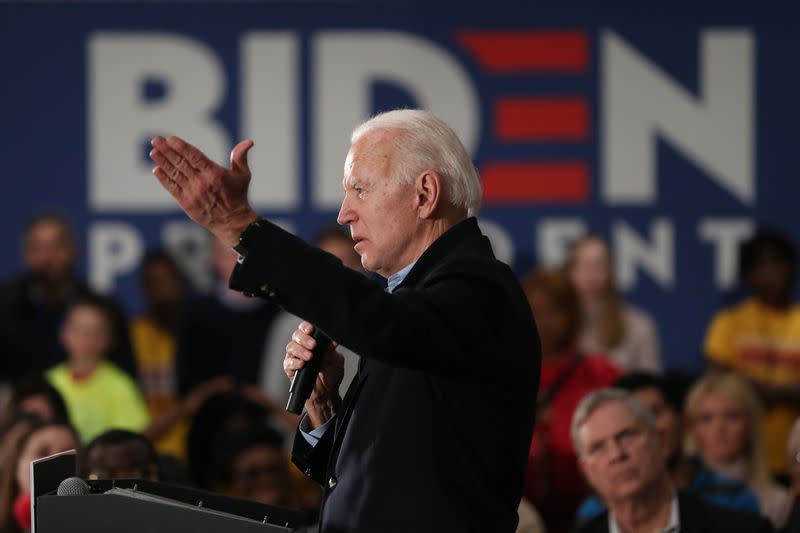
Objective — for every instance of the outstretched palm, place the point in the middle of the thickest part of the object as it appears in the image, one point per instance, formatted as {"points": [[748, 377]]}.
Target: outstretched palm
{"points": [[213, 196]]}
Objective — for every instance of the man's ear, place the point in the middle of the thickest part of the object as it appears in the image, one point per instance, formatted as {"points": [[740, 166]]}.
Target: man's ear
{"points": [[428, 189]]}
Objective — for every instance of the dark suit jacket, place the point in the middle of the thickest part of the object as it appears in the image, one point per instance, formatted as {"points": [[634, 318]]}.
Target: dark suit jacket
{"points": [[697, 516], [434, 432]]}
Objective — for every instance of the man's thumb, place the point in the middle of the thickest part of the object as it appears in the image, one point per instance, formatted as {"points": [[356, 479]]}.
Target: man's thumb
{"points": [[239, 157]]}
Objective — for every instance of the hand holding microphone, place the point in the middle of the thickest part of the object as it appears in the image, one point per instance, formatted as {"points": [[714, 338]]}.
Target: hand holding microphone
{"points": [[316, 372]]}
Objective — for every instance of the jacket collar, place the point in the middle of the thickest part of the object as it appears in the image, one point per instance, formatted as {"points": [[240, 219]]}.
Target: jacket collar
{"points": [[464, 238]]}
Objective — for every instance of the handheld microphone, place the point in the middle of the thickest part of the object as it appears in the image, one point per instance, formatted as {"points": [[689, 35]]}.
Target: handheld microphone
{"points": [[304, 379]]}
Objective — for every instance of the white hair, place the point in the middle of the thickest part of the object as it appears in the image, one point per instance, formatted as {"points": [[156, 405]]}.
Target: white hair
{"points": [[597, 399], [427, 143]]}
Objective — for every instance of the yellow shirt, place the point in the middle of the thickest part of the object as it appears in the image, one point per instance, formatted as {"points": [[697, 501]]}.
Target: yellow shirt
{"points": [[107, 399], [763, 344], [154, 350]]}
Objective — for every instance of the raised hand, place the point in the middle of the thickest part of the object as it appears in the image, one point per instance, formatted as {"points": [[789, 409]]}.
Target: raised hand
{"points": [[213, 196]]}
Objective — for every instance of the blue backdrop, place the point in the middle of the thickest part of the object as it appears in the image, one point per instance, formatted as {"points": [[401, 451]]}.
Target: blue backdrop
{"points": [[671, 130]]}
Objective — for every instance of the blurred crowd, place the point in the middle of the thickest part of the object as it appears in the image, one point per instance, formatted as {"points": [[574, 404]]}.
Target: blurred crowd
{"points": [[193, 390]]}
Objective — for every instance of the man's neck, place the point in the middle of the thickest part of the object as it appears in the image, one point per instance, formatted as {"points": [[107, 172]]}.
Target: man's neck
{"points": [[428, 231], [646, 512]]}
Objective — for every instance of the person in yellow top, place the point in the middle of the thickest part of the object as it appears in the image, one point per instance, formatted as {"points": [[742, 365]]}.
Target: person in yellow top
{"points": [[153, 336], [759, 338], [98, 394]]}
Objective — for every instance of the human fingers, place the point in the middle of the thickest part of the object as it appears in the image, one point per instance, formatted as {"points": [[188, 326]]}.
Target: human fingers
{"points": [[298, 351], [292, 364], [168, 183], [194, 157], [239, 157], [305, 340], [176, 174], [174, 161]]}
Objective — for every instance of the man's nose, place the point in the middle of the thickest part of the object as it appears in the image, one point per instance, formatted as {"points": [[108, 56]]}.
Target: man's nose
{"points": [[345, 213], [617, 451]]}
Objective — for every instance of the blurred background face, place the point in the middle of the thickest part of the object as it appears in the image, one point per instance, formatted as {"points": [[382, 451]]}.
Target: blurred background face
{"points": [[590, 270], [618, 456], [720, 429], [42, 442], [260, 474], [552, 320], [668, 422], [770, 277], [130, 460], [162, 284], [49, 251], [86, 334], [39, 405]]}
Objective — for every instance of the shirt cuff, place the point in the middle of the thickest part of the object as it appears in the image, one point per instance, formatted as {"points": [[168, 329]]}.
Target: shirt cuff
{"points": [[314, 435]]}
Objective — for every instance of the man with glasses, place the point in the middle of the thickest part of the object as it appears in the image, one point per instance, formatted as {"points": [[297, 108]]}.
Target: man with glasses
{"points": [[622, 457]]}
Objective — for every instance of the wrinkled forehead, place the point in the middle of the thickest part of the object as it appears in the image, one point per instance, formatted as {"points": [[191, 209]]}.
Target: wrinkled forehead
{"points": [[375, 149], [606, 421]]}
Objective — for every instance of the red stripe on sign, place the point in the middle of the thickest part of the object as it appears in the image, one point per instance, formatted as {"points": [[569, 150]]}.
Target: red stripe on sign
{"points": [[566, 182], [533, 51], [541, 119]]}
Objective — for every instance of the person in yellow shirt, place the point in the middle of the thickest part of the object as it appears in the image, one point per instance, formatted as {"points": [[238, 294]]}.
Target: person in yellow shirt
{"points": [[759, 338], [99, 396], [153, 335]]}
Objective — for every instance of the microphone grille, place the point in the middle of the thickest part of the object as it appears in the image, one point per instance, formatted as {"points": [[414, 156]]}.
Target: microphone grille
{"points": [[73, 486]]}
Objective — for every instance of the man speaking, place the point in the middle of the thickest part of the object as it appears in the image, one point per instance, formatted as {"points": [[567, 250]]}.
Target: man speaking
{"points": [[434, 431]]}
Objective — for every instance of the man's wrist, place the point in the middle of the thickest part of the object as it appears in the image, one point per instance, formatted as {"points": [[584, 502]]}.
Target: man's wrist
{"points": [[320, 410], [235, 227]]}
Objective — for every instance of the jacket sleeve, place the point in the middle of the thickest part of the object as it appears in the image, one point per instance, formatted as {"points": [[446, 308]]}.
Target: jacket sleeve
{"points": [[313, 460], [400, 329]]}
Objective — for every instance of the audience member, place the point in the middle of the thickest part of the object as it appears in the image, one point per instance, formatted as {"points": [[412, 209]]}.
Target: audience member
{"points": [[33, 304], [119, 454], [224, 419], [154, 339], [610, 325], [223, 333], [98, 395], [725, 418], [336, 241], [664, 396], [33, 401], [553, 483], [759, 338], [255, 467], [40, 441], [33, 398], [793, 447], [622, 456]]}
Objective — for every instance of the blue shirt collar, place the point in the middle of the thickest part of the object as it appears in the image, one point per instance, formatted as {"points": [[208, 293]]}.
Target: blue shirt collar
{"points": [[398, 277]]}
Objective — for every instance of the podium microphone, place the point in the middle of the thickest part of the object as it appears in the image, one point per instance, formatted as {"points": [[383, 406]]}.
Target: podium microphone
{"points": [[304, 379]]}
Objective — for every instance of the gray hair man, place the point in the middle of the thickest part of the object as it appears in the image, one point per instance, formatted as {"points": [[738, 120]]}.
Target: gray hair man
{"points": [[433, 434], [622, 457]]}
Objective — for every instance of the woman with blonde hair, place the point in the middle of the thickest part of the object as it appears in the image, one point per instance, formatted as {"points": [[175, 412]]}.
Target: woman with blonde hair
{"points": [[724, 415], [610, 325]]}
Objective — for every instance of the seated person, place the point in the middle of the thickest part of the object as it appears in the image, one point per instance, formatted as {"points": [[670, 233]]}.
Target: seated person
{"points": [[33, 304], [759, 338], [688, 473], [33, 400], [623, 458], [119, 454], [256, 468], [724, 416], [99, 396], [40, 441], [553, 483]]}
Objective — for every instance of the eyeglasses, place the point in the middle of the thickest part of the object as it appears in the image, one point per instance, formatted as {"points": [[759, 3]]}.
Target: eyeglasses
{"points": [[624, 439]]}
